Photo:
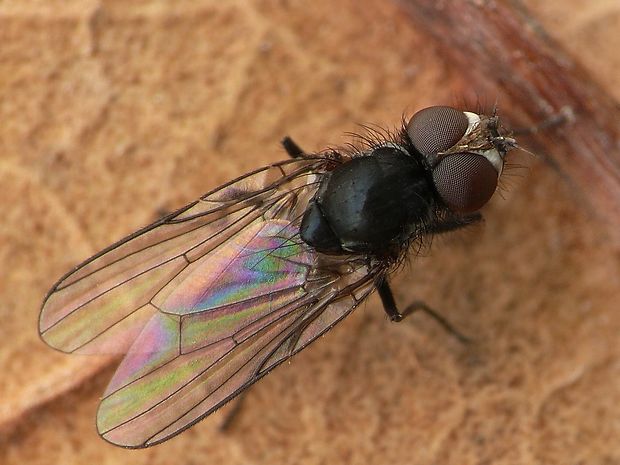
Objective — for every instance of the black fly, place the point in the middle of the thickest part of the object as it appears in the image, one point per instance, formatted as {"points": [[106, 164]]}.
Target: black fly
{"points": [[433, 178], [210, 298]]}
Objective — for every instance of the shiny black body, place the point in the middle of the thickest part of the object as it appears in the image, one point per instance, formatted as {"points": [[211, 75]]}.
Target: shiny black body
{"points": [[378, 201], [370, 204]]}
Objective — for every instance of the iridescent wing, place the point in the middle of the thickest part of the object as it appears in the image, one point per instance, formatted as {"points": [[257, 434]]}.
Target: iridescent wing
{"points": [[204, 302]]}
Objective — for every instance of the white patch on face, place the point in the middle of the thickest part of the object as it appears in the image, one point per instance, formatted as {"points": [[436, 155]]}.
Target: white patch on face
{"points": [[492, 155], [494, 158], [474, 121]]}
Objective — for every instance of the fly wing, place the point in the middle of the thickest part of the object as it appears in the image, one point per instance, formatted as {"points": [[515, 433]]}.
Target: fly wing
{"points": [[103, 305], [219, 330], [204, 302]]}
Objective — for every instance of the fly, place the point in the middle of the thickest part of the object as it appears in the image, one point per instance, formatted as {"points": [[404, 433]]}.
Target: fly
{"points": [[210, 298]]}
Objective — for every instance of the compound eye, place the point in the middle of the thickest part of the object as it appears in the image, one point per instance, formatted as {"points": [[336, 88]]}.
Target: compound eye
{"points": [[436, 129], [465, 181]]}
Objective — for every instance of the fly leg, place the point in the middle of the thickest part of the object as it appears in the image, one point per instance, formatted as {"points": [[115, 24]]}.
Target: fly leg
{"points": [[292, 148], [385, 292], [233, 413], [389, 305]]}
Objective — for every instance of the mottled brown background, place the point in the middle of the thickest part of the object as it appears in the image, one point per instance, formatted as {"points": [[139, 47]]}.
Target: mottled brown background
{"points": [[113, 111]]}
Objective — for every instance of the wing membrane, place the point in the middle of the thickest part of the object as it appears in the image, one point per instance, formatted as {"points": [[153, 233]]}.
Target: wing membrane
{"points": [[145, 406], [112, 291], [204, 302]]}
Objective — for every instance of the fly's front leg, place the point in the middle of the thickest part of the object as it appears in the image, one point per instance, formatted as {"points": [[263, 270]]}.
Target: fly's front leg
{"points": [[389, 305], [292, 148]]}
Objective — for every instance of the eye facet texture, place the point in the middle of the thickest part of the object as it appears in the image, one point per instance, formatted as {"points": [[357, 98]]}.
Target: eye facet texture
{"points": [[465, 181], [436, 129]]}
